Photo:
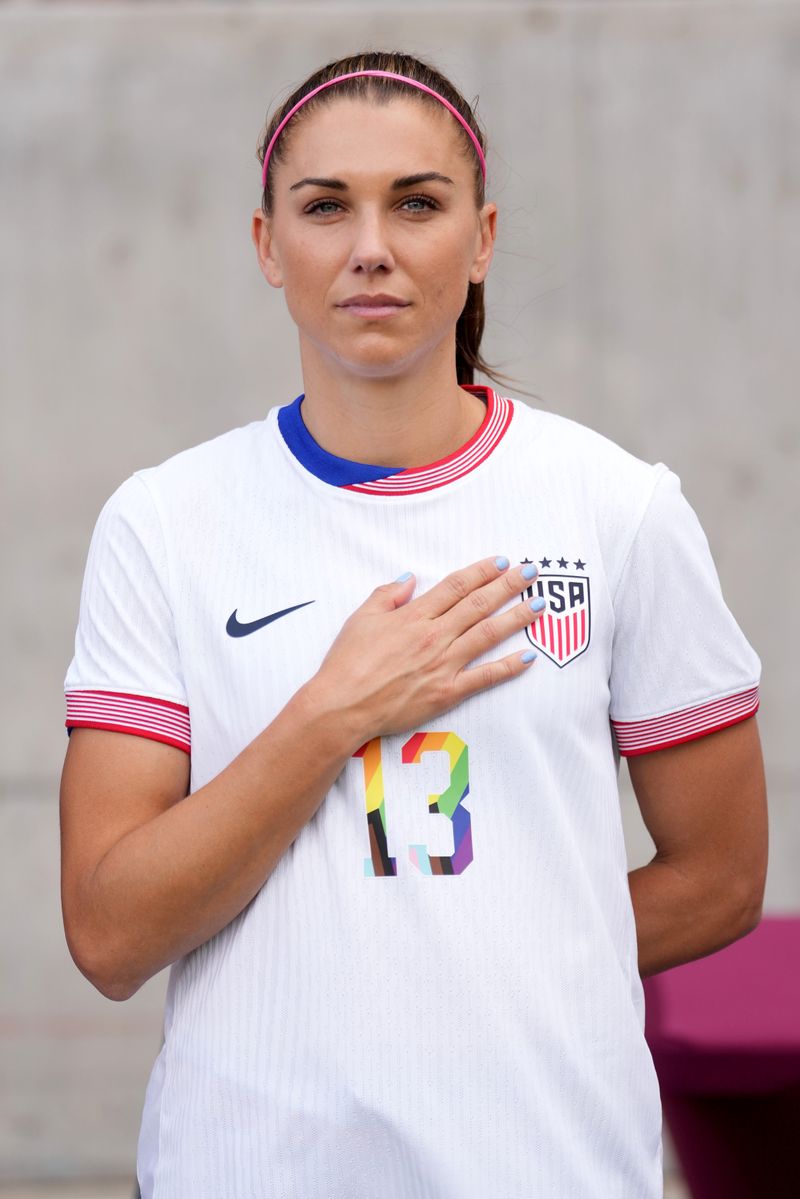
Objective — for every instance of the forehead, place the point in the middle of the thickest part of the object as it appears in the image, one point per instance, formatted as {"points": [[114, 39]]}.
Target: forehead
{"points": [[398, 137]]}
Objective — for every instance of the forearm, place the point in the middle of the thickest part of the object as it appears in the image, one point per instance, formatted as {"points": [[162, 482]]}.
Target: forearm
{"points": [[174, 882], [682, 914]]}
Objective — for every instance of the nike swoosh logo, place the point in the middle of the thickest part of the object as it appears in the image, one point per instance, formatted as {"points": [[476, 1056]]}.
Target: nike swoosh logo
{"points": [[235, 629]]}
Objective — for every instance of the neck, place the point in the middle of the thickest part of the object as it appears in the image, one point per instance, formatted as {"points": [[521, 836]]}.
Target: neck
{"points": [[407, 420]]}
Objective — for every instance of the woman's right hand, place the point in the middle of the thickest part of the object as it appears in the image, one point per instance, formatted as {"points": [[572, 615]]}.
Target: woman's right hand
{"points": [[397, 662]]}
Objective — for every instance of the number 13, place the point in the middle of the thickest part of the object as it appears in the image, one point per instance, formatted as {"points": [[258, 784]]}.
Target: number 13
{"points": [[449, 802]]}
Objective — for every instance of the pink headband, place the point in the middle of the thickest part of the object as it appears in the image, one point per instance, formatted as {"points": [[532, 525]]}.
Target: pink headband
{"points": [[382, 75]]}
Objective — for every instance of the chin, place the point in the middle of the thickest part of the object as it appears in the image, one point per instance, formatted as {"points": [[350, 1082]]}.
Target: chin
{"points": [[377, 370], [381, 361]]}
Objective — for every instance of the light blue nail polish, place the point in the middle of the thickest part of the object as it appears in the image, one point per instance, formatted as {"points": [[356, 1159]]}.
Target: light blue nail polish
{"points": [[403, 578], [529, 655], [538, 603], [501, 563], [530, 570]]}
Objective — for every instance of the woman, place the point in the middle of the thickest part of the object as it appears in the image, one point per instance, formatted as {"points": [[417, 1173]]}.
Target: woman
{"points": [[390, 878]]}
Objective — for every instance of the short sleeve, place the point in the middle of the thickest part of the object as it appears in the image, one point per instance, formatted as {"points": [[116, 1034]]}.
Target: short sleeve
{"points": [[681, 666], [126, 671]]}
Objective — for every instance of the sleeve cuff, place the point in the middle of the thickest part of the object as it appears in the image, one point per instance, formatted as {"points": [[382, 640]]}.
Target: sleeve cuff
{"points": [[659, 732], [141, 715]]}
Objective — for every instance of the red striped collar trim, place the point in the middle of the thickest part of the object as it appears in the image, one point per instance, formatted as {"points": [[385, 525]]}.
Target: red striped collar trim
{"points": [[499, 411]]}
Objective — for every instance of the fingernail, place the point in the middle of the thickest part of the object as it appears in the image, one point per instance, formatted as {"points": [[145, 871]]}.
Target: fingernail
{"points": [[529, 655], [403, 578], [538, 603], [501, 563], [530, 570]]}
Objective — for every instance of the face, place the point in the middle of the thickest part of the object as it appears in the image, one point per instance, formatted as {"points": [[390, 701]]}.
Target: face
{"points": [[375, 234]]}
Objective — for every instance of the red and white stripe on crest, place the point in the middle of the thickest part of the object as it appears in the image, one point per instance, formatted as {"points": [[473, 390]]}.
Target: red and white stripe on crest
{"points": [[562, 637]]}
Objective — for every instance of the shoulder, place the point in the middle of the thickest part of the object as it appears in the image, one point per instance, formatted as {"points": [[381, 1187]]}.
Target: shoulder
{"points": [[585, 481], [192, 479], [179, 498], [216, 460], [560, 434], [584, 462]]}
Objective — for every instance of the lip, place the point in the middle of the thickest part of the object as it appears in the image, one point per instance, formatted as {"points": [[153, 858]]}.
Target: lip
{"points": [[376, 305]]}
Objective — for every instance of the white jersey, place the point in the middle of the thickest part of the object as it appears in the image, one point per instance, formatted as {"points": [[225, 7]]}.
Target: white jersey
{"points": [[435, 994]]}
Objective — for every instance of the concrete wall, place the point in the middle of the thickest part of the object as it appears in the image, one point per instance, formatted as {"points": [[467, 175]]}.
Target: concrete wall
{"points": [[645, 160]]}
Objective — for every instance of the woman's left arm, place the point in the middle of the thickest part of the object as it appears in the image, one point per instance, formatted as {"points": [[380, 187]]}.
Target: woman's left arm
{"points": [[704, 804]]}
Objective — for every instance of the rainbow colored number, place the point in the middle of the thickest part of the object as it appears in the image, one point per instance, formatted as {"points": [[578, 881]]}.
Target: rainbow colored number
{"points": [[379, 862], [450, 802]]}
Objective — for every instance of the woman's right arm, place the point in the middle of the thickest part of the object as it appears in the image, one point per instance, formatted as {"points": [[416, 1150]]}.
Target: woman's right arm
{"points": [[148, 872], [146, 878]]}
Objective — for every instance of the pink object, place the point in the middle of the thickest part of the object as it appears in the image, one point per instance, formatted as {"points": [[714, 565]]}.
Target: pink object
{"points": [[381, 75], [724, 1033], [730, 1022]]}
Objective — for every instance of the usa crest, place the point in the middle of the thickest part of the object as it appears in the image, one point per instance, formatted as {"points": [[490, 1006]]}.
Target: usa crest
{"points": [[564, 629]]}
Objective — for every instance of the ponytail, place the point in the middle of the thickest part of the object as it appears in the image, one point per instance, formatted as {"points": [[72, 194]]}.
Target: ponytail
{"points": [[469, 331]]}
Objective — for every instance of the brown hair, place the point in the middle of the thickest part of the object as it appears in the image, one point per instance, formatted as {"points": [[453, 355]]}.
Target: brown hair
{"points": [[469, 328]]}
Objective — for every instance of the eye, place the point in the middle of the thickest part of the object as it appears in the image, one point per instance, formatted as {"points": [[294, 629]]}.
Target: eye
{"points": [[323, 207], [420, 203]]}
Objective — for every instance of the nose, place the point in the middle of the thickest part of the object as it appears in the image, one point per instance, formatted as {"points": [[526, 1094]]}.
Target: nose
{"points": [[371, 250]]}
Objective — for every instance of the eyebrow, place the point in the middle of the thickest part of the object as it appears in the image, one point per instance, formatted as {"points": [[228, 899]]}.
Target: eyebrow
{"points": [[398, 184]]}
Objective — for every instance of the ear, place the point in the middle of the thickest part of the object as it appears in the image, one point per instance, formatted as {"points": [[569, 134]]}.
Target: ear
{"points": [[487, 232], [261, 233]]}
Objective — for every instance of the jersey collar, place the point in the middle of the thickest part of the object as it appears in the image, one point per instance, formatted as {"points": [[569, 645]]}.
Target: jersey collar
{"points": [[397, 480]]}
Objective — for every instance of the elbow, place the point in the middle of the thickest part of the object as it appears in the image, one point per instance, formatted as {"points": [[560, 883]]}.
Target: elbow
{"points": [[106, 981], [750, 917], [112, 988], [745, 915], [97, 969], [109, 983], [752, 901]]}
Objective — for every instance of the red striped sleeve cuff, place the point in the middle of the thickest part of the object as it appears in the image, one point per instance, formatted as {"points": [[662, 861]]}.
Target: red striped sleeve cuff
{"points": [[643, 736], [141, 715]]}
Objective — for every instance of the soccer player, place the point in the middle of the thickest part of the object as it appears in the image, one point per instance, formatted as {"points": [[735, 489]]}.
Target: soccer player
{"points": [[347, 704]]}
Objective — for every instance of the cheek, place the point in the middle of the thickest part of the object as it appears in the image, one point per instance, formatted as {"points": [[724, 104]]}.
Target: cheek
{"points": [[448, 281], [446, 268], [304, 255], [308, 268]]}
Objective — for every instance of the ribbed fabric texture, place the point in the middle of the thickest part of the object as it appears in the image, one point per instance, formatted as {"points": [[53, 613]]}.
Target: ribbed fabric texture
{"points": [[470, 1025]]}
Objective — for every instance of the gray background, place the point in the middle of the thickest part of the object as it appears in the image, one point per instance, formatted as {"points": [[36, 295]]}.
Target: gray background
{"points": [[646, 160]]}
